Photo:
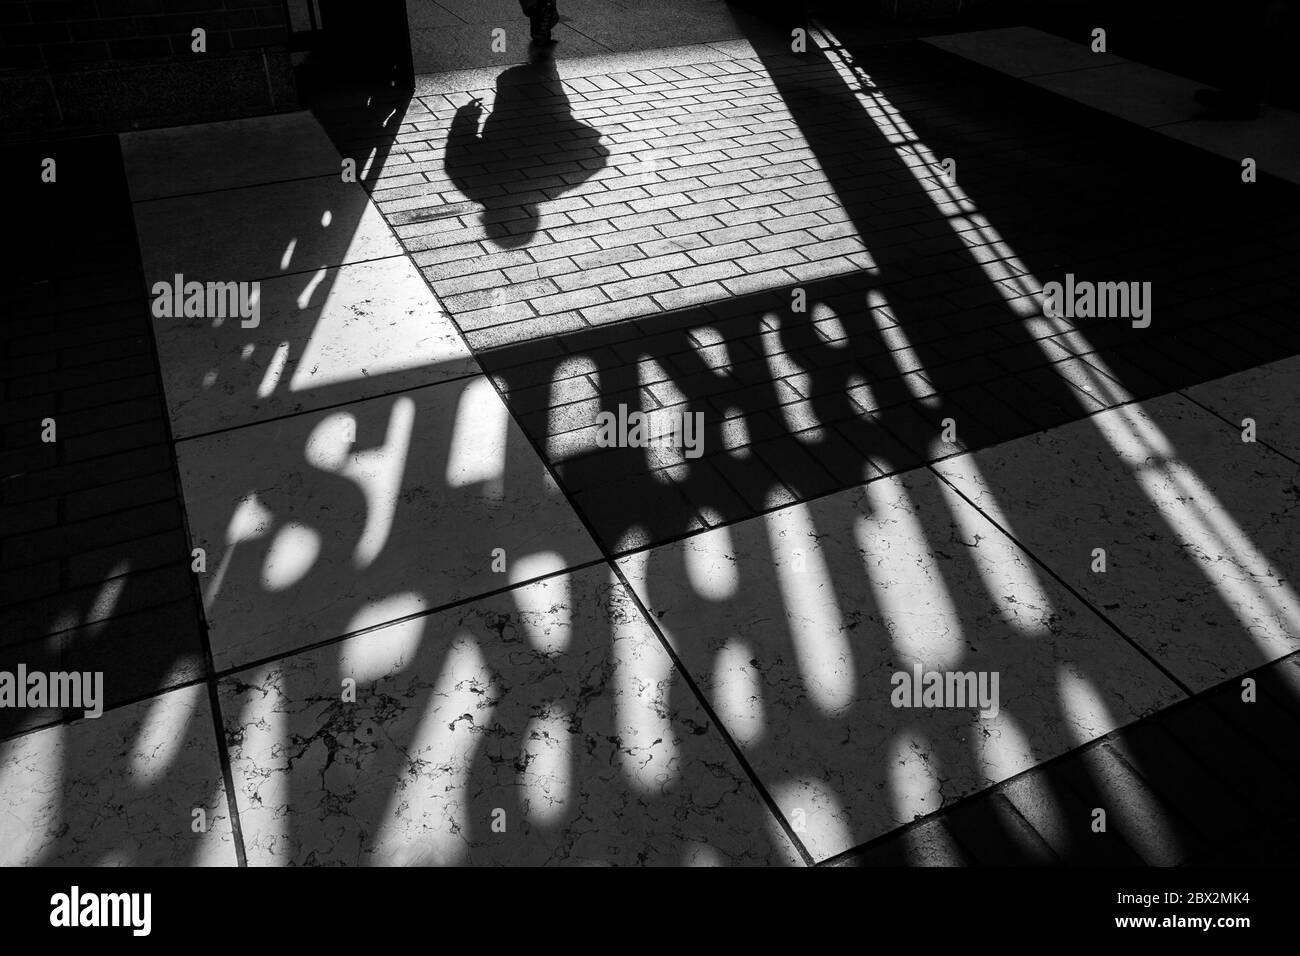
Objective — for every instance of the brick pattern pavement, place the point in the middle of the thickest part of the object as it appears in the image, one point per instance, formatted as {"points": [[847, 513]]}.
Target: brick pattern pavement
{"points": [[916, 311], [634, 237], [94, 559], [698, 188], [679, 208]]}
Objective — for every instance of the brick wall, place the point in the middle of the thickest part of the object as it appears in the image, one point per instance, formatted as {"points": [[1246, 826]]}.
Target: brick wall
{"points": [[84, 65]]}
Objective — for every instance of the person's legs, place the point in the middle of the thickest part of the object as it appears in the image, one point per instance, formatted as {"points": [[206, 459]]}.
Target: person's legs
{"points": [[542, 16]]}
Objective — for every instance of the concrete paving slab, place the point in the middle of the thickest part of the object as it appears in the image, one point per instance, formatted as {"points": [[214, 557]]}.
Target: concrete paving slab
{"points": [[542, 726], [1199, 558], [119, 790], [332, 521], [796, 624], [209, 156]]}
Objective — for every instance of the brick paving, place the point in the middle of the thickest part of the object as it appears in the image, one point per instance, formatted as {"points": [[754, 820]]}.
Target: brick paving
{"points": [[634, 232], [715, 190], [678, 209], [94, 554]]}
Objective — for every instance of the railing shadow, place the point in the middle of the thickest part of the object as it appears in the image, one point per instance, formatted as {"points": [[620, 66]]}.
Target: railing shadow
{"points": [[552, 708]]}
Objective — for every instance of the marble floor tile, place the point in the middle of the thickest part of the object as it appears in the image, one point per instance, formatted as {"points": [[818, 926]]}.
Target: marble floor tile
{"points": [[665, 24], [429, 13], [243, 152], [545, 725], [343, 334], [1198, 529], [1269, 394], [324, 523], [481, 11], [441, 49], [1132, 91], [802, 625], [140, 654], [119, 790], [1022, 51], [260, 232], [1271, 140], [1141, 94]]}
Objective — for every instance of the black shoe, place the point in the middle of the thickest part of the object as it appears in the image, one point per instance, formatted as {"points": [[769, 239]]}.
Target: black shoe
{"points": [[1230, 106]]}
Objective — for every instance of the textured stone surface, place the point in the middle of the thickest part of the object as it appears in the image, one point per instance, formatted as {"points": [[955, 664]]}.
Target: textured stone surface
{"points": [[339, 335], [795, 623], [244, 152], [120, 790], [326, 522], [260, 232], [1022, 51], [349, 489], [1197, 526], [1133, 91], [1269, 394], [553, 710]]}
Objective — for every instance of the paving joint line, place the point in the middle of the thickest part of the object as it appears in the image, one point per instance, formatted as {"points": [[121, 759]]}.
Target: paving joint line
{"points": [[196, 592], [940, 812], [226, 429], [1173, 678], [608, 560]]}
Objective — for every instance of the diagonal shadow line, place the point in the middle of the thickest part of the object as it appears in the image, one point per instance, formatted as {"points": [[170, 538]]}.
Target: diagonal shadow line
{"points": [[753, 335], [1060, 388]]}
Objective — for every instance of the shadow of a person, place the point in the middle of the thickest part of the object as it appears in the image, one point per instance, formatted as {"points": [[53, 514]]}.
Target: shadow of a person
{"points": [[530, 150]]}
